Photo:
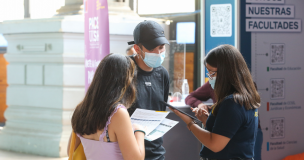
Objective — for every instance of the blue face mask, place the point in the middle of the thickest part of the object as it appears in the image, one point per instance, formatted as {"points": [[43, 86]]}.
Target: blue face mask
{"points": [[154, 60], [212, 82]]}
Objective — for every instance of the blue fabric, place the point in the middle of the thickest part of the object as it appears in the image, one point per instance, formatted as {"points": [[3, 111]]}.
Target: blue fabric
{"points": [[238, 124], [212, 42], [258, 145]]}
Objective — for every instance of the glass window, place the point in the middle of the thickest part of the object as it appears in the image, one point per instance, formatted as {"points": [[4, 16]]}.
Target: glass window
{"points": [[180, 66], [165, 6], [185, 32]]}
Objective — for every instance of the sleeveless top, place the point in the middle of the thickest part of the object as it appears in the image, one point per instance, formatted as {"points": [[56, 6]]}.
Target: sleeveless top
{"points": [[100, 150]]}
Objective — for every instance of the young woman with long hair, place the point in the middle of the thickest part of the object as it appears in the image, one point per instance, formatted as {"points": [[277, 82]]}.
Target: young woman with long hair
{"points": [[232, 125], [101, 120]]}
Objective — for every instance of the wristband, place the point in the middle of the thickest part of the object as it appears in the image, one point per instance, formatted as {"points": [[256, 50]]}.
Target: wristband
{"points": [[140, 131]]}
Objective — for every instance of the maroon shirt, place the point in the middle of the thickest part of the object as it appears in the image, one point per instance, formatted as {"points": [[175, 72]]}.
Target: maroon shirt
{"points": [[203, 93]]}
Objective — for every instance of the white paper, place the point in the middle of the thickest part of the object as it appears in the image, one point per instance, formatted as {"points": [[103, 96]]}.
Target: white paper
{"points": [[148, 118], [161, 129]]}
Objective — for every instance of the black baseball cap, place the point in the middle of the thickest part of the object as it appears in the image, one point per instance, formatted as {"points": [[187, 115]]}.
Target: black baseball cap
{"points": [[150, 34]]}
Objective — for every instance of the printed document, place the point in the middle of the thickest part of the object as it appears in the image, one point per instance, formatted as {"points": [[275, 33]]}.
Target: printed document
{"points": [[161, 129], [148, 118]]}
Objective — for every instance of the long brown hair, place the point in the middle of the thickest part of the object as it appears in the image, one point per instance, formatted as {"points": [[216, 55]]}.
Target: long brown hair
{"points": [[113, 84], [233, 77]]}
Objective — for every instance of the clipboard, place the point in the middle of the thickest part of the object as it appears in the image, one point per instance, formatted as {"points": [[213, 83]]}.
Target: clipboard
{"points": [[170, 106]]}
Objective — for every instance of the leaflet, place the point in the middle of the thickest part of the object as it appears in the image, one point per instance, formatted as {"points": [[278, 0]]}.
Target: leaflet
{"points": [[161, 129], [148, 118]]}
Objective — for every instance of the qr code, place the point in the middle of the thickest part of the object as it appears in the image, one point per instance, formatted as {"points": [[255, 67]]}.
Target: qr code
{"points": [[277, 54], [277, 88], [277, 127], [221, 20]]}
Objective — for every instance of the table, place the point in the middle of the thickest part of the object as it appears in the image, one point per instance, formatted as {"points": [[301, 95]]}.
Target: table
{"points": [[179, 142]]}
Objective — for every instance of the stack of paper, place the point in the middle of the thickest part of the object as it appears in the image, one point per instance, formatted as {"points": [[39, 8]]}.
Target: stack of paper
{"points": [[156, 122]]}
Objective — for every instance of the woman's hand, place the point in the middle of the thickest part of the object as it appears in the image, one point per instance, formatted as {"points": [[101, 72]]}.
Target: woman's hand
{"points": [[185, 118], [201, 114], [204, 106]]}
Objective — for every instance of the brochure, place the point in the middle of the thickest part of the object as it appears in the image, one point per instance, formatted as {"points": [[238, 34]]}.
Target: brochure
{"points": [[155, 121]]}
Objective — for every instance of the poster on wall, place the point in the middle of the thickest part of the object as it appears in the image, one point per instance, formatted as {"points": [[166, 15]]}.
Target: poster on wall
{"points": [[221, 20], [96, 36], [277, 54]]}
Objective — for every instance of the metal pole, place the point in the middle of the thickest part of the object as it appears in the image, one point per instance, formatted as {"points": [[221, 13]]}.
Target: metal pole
{"points": [[136, 6], [131, 4], [184, 61], [27, 9], [199, 69]]}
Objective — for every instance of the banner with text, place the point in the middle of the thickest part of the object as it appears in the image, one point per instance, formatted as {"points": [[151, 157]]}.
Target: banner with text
{"points": [[276, 48], [96, 36]]}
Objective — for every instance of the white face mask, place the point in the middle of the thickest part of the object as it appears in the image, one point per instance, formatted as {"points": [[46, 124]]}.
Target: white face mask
{"points": [[212, 82], [154, 60]]}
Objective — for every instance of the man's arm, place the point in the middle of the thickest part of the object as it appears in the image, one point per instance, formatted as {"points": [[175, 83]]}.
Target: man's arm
{"points": [[196, 97]]}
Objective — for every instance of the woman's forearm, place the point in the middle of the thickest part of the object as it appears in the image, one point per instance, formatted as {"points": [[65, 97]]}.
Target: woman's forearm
{"points": [[141, 143], [202, 135], [208, 139], [214, 142]]}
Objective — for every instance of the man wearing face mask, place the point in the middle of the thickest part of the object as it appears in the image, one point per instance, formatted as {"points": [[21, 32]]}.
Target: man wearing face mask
{"points": [[152, 78]]}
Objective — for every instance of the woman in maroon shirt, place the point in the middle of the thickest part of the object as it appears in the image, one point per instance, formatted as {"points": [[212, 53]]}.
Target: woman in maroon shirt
{"points": [[203, 93]]}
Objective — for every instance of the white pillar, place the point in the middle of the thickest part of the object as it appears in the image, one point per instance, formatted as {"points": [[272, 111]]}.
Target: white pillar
{"points": [[46, 82]]}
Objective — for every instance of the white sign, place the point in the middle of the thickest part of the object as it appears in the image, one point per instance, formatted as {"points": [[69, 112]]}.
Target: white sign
{"points": [[273, 25], [185, 32], [277, 68], [221, 20], [274, 11], [266, 1]]}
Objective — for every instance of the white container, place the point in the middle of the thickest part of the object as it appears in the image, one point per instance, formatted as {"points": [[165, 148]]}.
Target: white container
{"points": [[185, 89], [177, 97]]}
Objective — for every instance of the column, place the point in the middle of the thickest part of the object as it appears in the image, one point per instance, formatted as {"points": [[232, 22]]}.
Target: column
{"points": [[46, 82]]}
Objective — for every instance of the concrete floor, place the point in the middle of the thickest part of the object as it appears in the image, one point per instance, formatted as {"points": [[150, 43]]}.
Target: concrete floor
{"points": [[7, 155]]}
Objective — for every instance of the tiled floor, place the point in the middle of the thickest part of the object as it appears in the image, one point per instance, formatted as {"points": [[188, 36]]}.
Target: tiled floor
{"points": [[6, 155]]}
